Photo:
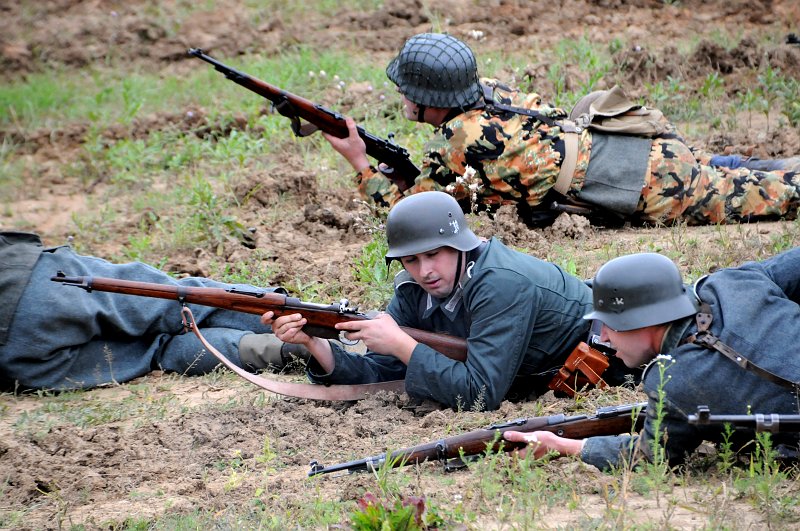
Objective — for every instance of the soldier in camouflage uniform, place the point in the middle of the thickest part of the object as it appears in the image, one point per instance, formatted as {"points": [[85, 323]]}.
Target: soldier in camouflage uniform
{"points": [[487, 152]]}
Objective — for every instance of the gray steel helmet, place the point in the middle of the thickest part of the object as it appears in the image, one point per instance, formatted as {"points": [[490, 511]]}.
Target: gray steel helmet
{"points": [[426, 221], [436, 70], [640, 290]]}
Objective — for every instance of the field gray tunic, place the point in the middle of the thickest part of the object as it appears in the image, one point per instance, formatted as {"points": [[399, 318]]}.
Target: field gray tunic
{"points": [[521, 317], [60, 337], [756, 311]]}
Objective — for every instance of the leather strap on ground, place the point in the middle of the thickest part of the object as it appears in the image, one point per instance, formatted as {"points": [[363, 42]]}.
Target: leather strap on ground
{"points": [[299, 390]]}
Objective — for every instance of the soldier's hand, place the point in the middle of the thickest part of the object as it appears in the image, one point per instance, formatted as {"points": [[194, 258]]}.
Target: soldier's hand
{"points": [[382, 335], [352, 147], [542, 443], [288, 328]]}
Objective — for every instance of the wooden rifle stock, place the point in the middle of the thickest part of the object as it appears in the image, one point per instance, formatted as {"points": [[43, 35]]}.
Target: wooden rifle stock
{"points": [[611, 420], [321, 318], [400, 169]]}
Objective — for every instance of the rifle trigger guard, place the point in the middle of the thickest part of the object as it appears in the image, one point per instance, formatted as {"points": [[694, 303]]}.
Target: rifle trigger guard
{"points": [[343, 339]]}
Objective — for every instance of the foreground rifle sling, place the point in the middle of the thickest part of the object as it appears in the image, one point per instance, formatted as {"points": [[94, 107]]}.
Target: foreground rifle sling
{"points": [[772, 423], [321, 318], [400, 169], [611, 420]]}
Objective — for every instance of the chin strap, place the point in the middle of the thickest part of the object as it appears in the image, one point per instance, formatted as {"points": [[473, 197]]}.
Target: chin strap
{"points": [[421, 113], [299, 390], [706, 339]]}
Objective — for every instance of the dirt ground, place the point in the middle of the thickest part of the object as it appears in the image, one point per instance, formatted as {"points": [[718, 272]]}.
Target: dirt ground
{"points": [[214, 442]]}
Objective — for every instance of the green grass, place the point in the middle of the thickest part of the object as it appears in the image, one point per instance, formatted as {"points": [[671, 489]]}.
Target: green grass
{"points": [[172, 188]]}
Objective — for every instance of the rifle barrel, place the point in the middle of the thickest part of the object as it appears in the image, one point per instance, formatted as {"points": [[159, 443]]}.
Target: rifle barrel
{"points": [[760, 422]]}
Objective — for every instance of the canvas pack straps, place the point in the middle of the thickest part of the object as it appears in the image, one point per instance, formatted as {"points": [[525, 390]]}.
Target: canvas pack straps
{"points": [[610, 112], [299, 390]]}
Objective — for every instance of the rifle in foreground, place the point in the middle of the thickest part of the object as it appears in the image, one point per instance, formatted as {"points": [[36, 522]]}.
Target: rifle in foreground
{"points": [[400, 168], [772, 423], [611, 420], [321, 318]]}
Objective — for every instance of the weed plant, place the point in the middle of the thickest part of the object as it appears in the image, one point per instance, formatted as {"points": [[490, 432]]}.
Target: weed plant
{"points": [[178, 183]]}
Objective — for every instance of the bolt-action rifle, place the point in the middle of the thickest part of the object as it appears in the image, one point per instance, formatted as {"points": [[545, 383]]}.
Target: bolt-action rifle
{"points": [[772, 423], [397, 163], [321, 318], [612, 420]]}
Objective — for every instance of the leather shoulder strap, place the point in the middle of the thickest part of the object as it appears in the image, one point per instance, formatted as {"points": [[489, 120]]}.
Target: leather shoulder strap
{"points": [[299, 390], [706, 339]]}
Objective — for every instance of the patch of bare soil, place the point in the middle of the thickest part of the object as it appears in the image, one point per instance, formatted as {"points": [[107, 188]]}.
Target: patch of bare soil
{"points": [[219, 441]]}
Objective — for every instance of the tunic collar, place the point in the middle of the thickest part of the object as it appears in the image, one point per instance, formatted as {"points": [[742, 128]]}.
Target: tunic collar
{"points": [[450, 305]]}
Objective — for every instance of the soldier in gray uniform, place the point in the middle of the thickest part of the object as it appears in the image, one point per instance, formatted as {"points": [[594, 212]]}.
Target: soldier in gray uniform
{"points": [[729, 344]]}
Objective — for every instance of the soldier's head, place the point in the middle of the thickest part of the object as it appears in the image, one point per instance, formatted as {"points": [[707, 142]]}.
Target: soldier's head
{"points": [[428, 233], [435, 71], [636, 297]]}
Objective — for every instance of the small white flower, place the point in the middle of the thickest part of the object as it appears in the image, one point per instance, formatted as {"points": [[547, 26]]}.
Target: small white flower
{"points": [[322, 73], [336, 77], [369, 88]]}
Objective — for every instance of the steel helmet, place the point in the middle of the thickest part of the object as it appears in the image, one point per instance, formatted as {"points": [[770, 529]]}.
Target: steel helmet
{"points": [[425, 221], [640, 290], [436, 70]]}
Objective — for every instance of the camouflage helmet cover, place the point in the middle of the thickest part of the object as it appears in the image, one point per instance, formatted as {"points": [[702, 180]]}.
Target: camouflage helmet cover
{"points": [[426, 221], [640, 290], [436, 70]]}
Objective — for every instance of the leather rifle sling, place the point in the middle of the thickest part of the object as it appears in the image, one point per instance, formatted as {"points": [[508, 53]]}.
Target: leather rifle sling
{"points": [[299, 390]]}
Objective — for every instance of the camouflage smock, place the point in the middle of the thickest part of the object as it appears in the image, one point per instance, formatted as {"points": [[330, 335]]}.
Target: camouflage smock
{"points": [[516, 160]]}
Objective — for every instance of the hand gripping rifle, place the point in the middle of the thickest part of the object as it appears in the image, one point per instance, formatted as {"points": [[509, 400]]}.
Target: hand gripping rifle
{"points": [[772, 423], [400, 168], [321, 318], [611, 420]]}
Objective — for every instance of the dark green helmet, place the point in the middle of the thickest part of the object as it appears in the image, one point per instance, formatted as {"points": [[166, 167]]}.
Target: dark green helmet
{"points": [[640, 290], [436, 70], [426, 221]]}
